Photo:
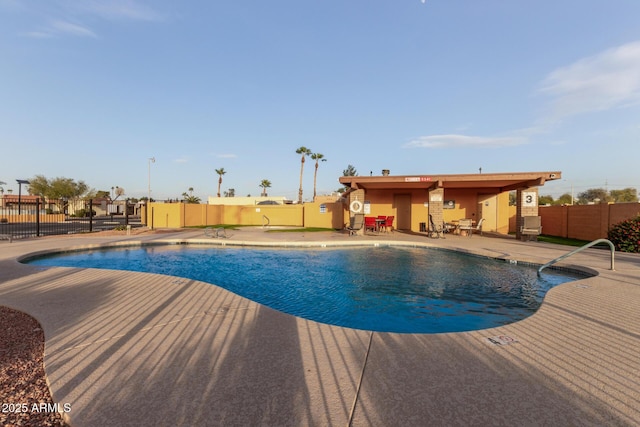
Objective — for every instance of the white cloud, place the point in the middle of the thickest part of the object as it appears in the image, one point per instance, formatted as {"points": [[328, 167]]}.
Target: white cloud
{"points": [[601, 82], [38, 34], [64, 27], [226, 156], [454, 141], [120, 9], [182, 159], [88, 10], [60, 28]]}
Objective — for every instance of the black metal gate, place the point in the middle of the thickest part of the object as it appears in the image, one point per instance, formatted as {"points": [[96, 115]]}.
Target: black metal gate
{"points": [[33, 218]]}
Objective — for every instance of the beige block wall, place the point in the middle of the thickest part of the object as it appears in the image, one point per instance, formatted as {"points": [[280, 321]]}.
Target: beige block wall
{"points": [[585, 222], [325, 215], [165, 215], [290, 215]]}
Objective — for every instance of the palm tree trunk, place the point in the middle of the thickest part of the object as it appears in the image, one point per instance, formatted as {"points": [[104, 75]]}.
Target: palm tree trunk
{"points": [[219, 184], [315, 176], [300, 190]]}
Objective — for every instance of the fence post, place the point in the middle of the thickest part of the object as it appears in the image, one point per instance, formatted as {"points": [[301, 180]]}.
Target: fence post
{"points": [[38, 217], [90, 215]]}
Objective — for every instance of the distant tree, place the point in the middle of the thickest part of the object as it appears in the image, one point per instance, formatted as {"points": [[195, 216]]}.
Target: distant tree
{"points": [[230, 193], [304, 152], [220, 172], [350, 171], [545, 200], [318, 158], [593, 195], [265, 183], [565, 199], [512, 198], [1, 187], [190, 198], [102, 194], [117, 191], [624, 195], [57, 188]]}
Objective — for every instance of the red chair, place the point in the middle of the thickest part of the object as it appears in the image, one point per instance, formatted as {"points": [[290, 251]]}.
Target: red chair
{"points": [[388, 223], [369, 223]]}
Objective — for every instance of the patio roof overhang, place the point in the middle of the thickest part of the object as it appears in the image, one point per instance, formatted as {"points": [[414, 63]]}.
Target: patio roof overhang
{"points": [[485, 182]]}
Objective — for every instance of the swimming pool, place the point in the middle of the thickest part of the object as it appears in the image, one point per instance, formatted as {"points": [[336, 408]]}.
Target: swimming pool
{"points": [[386, 289]]}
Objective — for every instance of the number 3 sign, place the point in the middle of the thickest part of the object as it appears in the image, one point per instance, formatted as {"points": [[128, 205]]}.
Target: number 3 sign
{"points": [[529, 198]]}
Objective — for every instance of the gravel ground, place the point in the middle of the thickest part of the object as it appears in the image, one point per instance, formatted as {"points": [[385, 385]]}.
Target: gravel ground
{"points": [[24, 394]]}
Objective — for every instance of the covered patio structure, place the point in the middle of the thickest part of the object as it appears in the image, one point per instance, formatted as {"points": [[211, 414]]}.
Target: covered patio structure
{"points": [[447, 198]]}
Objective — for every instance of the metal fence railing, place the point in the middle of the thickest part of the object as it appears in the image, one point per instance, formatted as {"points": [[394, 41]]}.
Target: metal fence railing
{"points": [[35, 218]]}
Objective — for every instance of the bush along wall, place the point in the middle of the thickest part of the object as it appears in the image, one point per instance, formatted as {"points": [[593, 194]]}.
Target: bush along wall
{"points": [[626, 235]]}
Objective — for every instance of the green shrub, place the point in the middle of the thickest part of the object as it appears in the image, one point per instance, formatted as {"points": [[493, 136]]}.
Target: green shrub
{"points": [[626, 235], [82, 213]]}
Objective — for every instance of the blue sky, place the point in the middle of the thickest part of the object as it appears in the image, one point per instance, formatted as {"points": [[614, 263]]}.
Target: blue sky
{"points": [[92, 89]]}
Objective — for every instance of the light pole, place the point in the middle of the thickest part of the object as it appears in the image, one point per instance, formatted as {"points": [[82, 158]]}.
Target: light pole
{"points": [[20, 182], [151, 160], [571, 183]]}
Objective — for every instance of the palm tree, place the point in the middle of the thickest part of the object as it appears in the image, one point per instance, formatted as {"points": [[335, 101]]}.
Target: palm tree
{"points": [[304, 151], [189, 197], [265, 183], [220, 172], [317, 157]]}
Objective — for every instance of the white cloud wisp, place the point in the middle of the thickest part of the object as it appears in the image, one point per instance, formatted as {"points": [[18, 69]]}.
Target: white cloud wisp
{"points": [[456, 141], [610, 79]]}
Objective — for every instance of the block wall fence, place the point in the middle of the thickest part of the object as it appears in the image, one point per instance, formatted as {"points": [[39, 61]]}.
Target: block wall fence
{"points": [[583, 222]]}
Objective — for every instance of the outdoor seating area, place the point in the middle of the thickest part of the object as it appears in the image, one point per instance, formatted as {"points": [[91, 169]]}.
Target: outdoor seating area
{"points": [[378, 223], [463, 227]]}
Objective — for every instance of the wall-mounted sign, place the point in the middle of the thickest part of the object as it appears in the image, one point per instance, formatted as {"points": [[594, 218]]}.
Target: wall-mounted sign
{"points": [[417, 179], [529, 199], [367, 207], [436, 197], [449, 204]]}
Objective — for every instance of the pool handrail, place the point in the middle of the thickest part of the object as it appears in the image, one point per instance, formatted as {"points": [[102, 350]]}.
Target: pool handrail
{"points": [[580, 249]]}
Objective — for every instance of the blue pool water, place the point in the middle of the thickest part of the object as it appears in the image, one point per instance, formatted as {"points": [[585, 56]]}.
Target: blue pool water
{"points": [[387, 289]]}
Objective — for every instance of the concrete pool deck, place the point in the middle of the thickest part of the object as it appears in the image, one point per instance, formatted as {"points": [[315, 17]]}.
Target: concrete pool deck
{"points": [[140, 349]]}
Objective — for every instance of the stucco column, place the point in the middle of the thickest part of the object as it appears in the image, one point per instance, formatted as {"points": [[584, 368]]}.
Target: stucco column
{"points": [[526, 205], [436, 206]]}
